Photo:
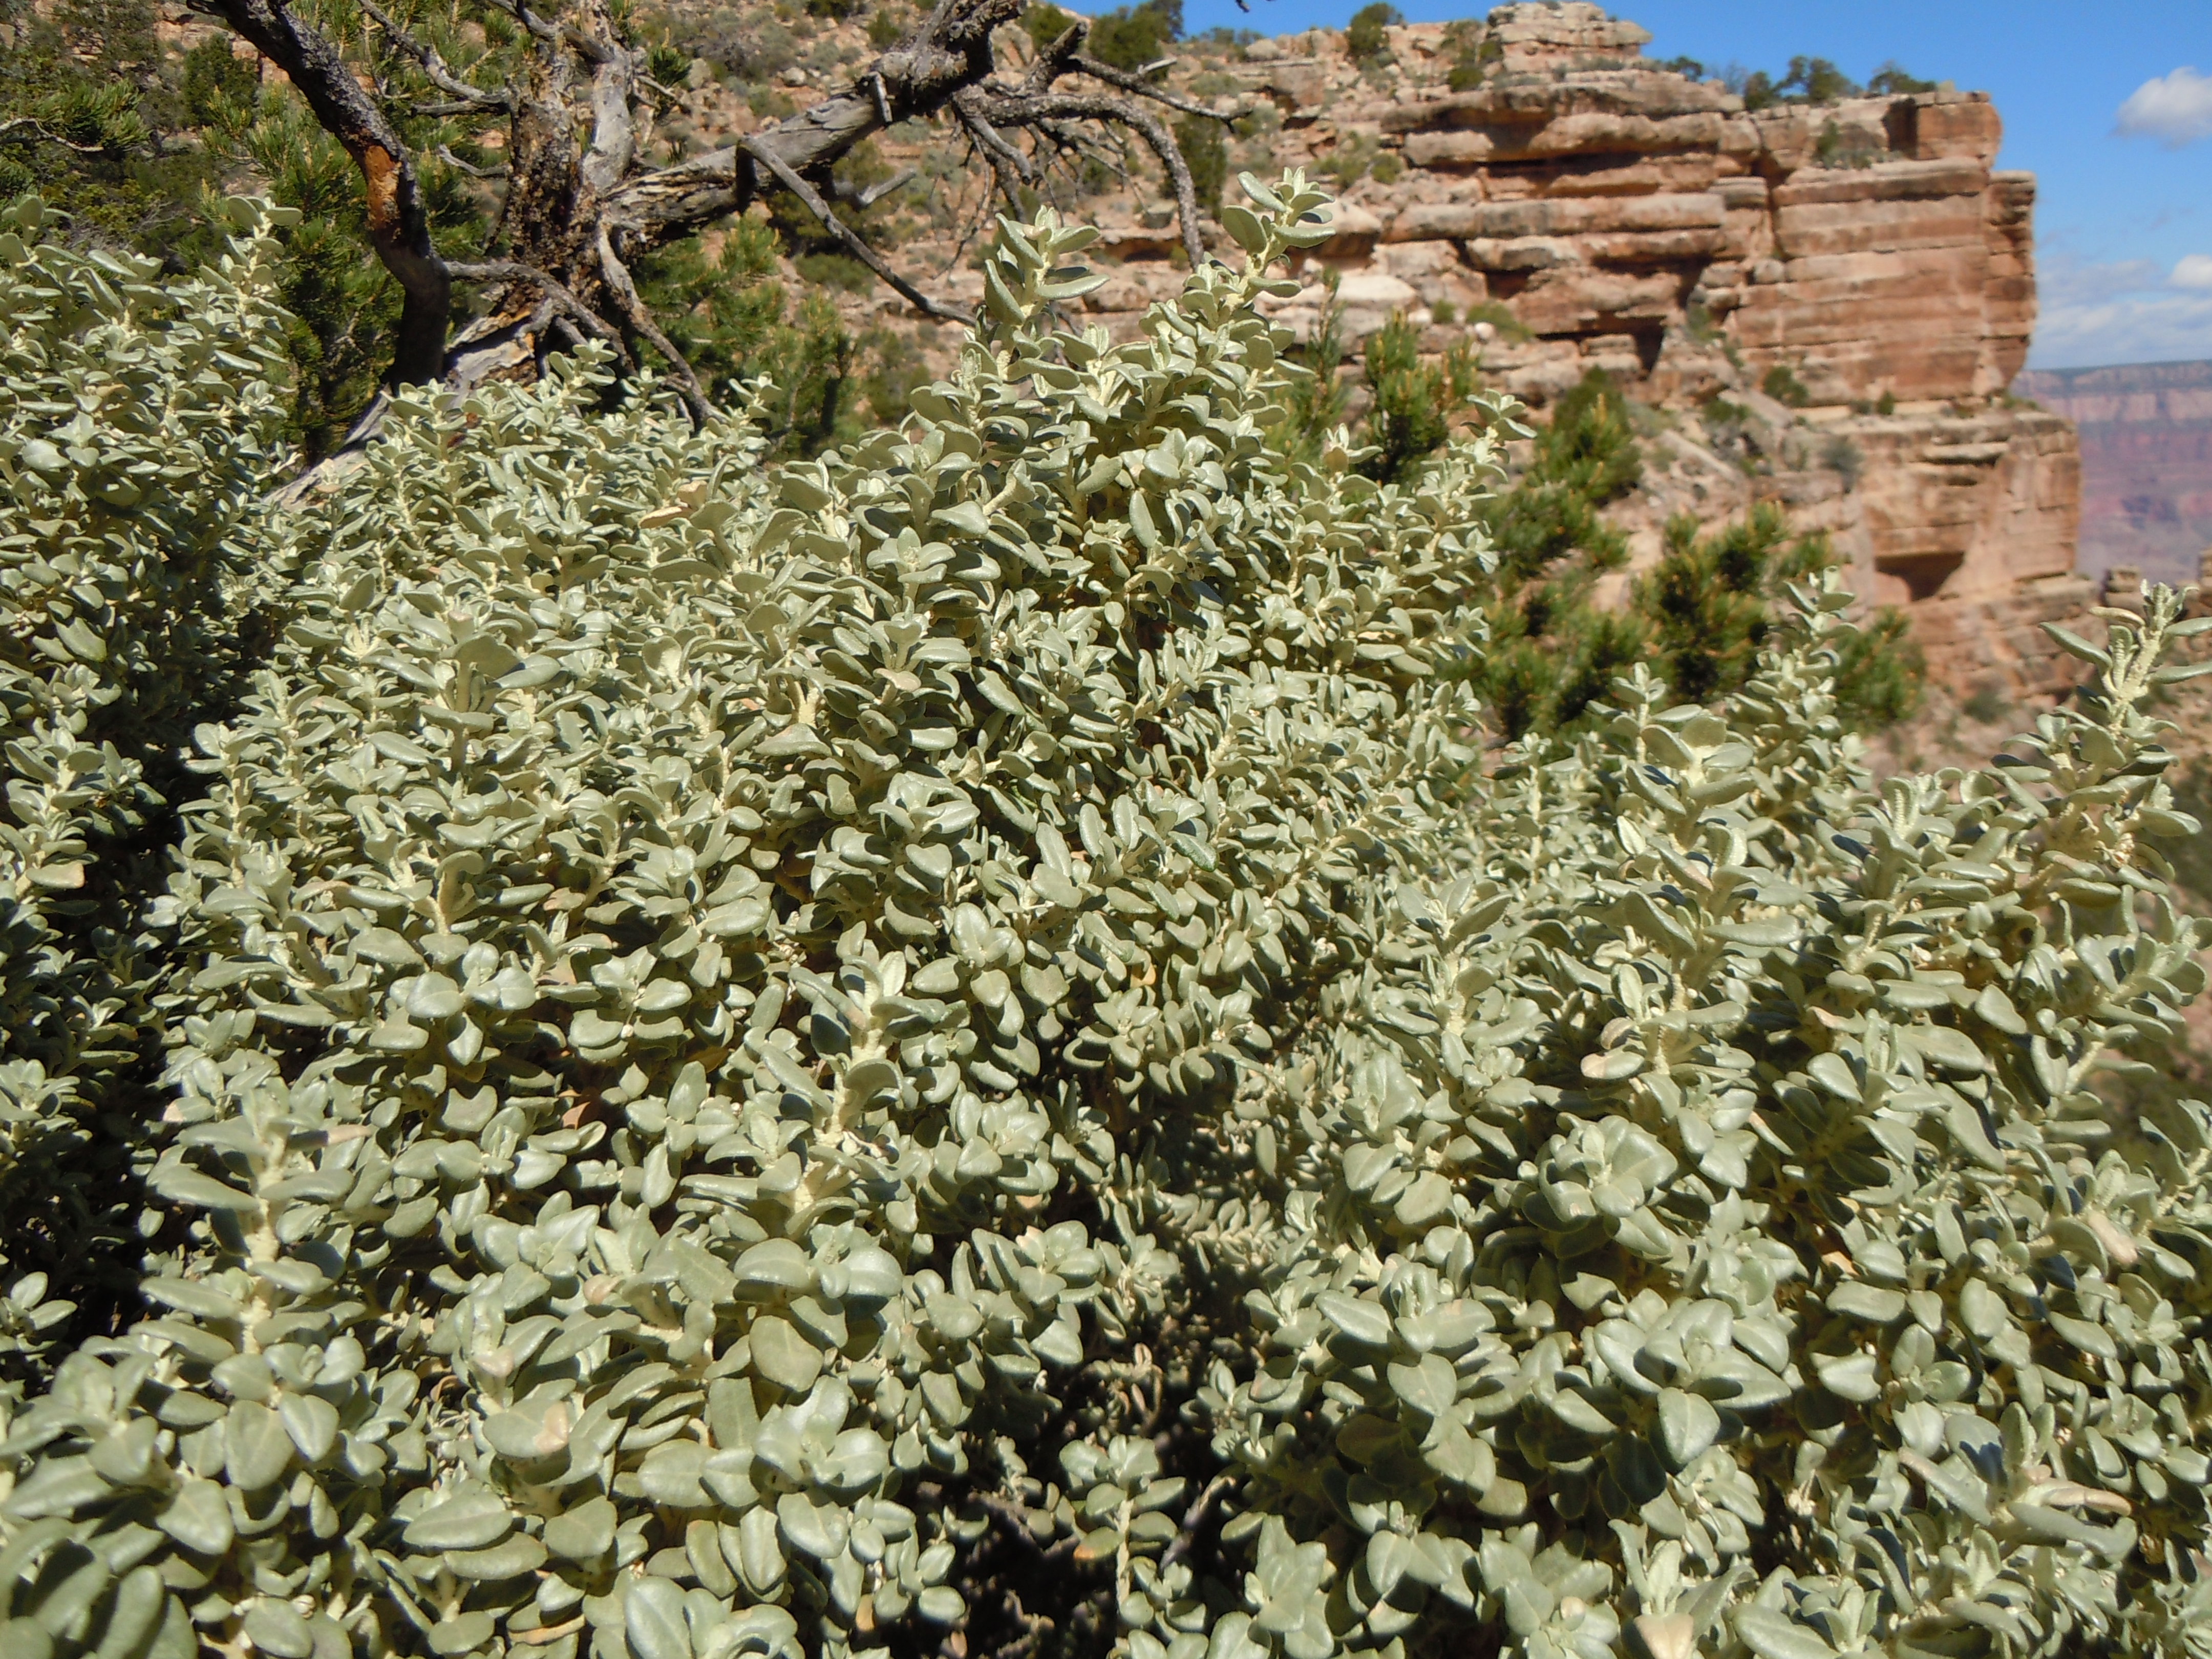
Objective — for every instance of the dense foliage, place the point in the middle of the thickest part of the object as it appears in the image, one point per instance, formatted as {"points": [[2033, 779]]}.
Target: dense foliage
{"points": [[773, 1059], [1553, 649], [1811, 81], [139, 420], [1128, 36], [1413, 399], [1706, 606], [1698, 616], [91, 110]]}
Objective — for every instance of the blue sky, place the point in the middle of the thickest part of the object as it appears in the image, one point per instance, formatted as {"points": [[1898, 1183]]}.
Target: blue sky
{"points": [[2123, 218]]}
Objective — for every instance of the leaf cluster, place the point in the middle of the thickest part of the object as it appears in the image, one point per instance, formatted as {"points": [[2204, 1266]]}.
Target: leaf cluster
{"points": [[1474, 52], [1414, 400], [139, 420], [92, 119], [1818, 80], [1700, 615]]}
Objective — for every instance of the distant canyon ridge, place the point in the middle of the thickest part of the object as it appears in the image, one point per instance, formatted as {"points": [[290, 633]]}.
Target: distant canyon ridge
{"points": [[2146, 436]]}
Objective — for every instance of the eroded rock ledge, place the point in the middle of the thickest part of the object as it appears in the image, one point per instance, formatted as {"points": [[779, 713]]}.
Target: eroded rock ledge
{"points": [[1636, 220]]}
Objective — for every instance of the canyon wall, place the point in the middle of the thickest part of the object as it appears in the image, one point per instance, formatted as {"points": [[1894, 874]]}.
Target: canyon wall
{"points": [[2145, 463], [1632, 219]]}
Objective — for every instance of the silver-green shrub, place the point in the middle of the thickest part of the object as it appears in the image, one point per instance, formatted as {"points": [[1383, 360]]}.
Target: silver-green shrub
{"points": [[138, 427], [770, 1061]]}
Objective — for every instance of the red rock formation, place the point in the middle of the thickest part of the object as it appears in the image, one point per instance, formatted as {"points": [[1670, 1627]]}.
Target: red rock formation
{"points": [[1638, 221]]}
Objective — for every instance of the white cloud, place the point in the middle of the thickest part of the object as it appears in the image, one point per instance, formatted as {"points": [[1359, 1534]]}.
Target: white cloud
{"points": [[2175, 109], [2127, 311]]}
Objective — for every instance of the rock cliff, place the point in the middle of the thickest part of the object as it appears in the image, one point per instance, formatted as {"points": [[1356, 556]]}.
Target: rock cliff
{"points": [[1862, 261]]}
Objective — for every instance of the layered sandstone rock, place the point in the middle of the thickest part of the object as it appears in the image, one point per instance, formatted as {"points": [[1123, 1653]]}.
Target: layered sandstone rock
{"points": [[1635, 220]]}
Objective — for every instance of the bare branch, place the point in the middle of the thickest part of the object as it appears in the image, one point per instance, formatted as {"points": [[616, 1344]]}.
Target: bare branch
{"points": [[920, 74], [1009, 166], [546, 33], [980, 125], [445, 154], [1054, 59], [633, 308], [562, 34], [842, 189], [811, 198], [564, 298], [1100, 70], [1015, 109], [579, 199], [974, 229], [42, 129], [441, 76]]}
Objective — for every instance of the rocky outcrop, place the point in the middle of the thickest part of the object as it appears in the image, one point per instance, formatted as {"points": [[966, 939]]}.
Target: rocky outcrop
{"points": [[1967, 521], [2145, 463], [1863, 260]]}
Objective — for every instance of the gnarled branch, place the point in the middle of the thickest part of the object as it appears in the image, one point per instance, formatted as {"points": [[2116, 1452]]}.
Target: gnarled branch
{"points": [[792, 181], [445, 154], [1010, 108], [1141, 87], [440, 73], [625, 293], [579, 199], [1009, 166], [564, 298]]}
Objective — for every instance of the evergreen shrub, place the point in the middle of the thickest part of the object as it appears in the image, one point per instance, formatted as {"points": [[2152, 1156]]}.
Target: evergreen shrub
{"points": [[1365, 37], [140, 420], [773, 1060]]}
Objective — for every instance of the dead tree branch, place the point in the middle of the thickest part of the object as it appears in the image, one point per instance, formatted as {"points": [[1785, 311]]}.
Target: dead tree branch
{"points": [[581, 201], [1140, 86], [40, 130], [445, 154], [434, 67], [794, 181], [1009, 166], [842, 189], [625, 295], [1024, 109], [564, 297]]}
